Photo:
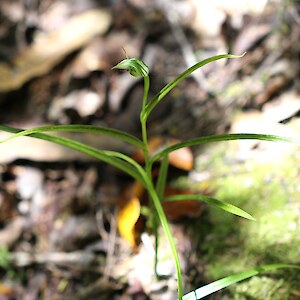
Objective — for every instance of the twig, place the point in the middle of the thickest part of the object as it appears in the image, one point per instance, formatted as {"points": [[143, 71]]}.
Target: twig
{"points": [[109, 238], [111, 244], [77, 258]]}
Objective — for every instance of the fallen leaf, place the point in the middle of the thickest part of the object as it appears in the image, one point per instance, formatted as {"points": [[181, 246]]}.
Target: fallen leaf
{"points": [[282, 108], [127, 219], [182, 159], [185, 208], [95, 57], [5, 291], [50, 49]]}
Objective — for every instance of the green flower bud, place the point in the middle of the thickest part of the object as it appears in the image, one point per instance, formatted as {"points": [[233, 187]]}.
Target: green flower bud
{"points": [[135, 67]]}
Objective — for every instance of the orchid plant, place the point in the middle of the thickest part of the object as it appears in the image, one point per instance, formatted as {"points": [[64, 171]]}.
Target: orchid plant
{"points": [[142, 173]]}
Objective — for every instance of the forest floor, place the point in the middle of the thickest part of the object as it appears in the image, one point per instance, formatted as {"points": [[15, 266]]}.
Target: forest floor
{"points": [[60, 210]]}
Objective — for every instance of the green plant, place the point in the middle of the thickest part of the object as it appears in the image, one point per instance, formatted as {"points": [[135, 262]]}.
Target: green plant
{"points": [[5, 264], [143, 173], [4, 257]]}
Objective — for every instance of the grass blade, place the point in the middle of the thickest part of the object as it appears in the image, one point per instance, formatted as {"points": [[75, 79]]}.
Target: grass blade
{"points": [[221, 138], [165, 225], [213, 202], [128, 159], [229, 280], [163, 92], [126, 137], [162, 176], [160, 188], [118, 160]]}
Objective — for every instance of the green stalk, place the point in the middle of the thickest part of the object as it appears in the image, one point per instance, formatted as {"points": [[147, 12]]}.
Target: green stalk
{"points": [[144, 122], [153, 194], [155, 224], [148, 167], [160, 188], [168, 234]]}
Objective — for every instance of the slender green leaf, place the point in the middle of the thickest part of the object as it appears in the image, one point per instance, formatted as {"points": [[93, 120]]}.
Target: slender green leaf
{"points": [[160, 188], [162, 176], [165, 225], [79, 128], [157, 98], [224, 137], [229, 280], [213, 202], [118, 160], [129, 160]]}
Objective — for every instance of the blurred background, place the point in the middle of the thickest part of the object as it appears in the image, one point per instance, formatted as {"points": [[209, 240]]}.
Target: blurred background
{"points": [[61, 212]]}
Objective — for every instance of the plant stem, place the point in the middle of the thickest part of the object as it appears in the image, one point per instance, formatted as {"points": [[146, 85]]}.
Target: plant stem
{"points": [[156, 236], [153, 194], [144, 126], [167, 231]]}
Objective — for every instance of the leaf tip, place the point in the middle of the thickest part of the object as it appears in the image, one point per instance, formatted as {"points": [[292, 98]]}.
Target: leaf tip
{"points": [[248, 216]]}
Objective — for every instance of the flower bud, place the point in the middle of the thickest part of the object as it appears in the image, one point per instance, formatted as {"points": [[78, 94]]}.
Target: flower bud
{"points": [[135, 66]]}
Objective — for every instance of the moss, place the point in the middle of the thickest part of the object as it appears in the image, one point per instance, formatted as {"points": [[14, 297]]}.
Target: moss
{"points": [[262, 288], [276, 236], [270, 192]]}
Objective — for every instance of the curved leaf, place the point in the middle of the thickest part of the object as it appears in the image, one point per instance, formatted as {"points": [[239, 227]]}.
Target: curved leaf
{"points": [[163, 92], [118, 160], [162, 176], [213, 202], [224, 137], [126, 137], [229, 280], [129, 160]]}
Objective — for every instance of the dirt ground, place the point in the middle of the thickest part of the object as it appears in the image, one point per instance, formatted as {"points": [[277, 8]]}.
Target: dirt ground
{"points": [[59, 210]]}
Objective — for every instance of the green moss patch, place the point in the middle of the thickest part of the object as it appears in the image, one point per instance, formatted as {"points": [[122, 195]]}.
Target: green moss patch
{"points": [[270, 191]]}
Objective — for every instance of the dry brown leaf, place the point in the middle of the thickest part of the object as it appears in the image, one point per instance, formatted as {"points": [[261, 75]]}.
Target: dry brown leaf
{"points": [[185, 208], [50, 49], [182, 159], [5, 291], [95, 57], [127, 218]]}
